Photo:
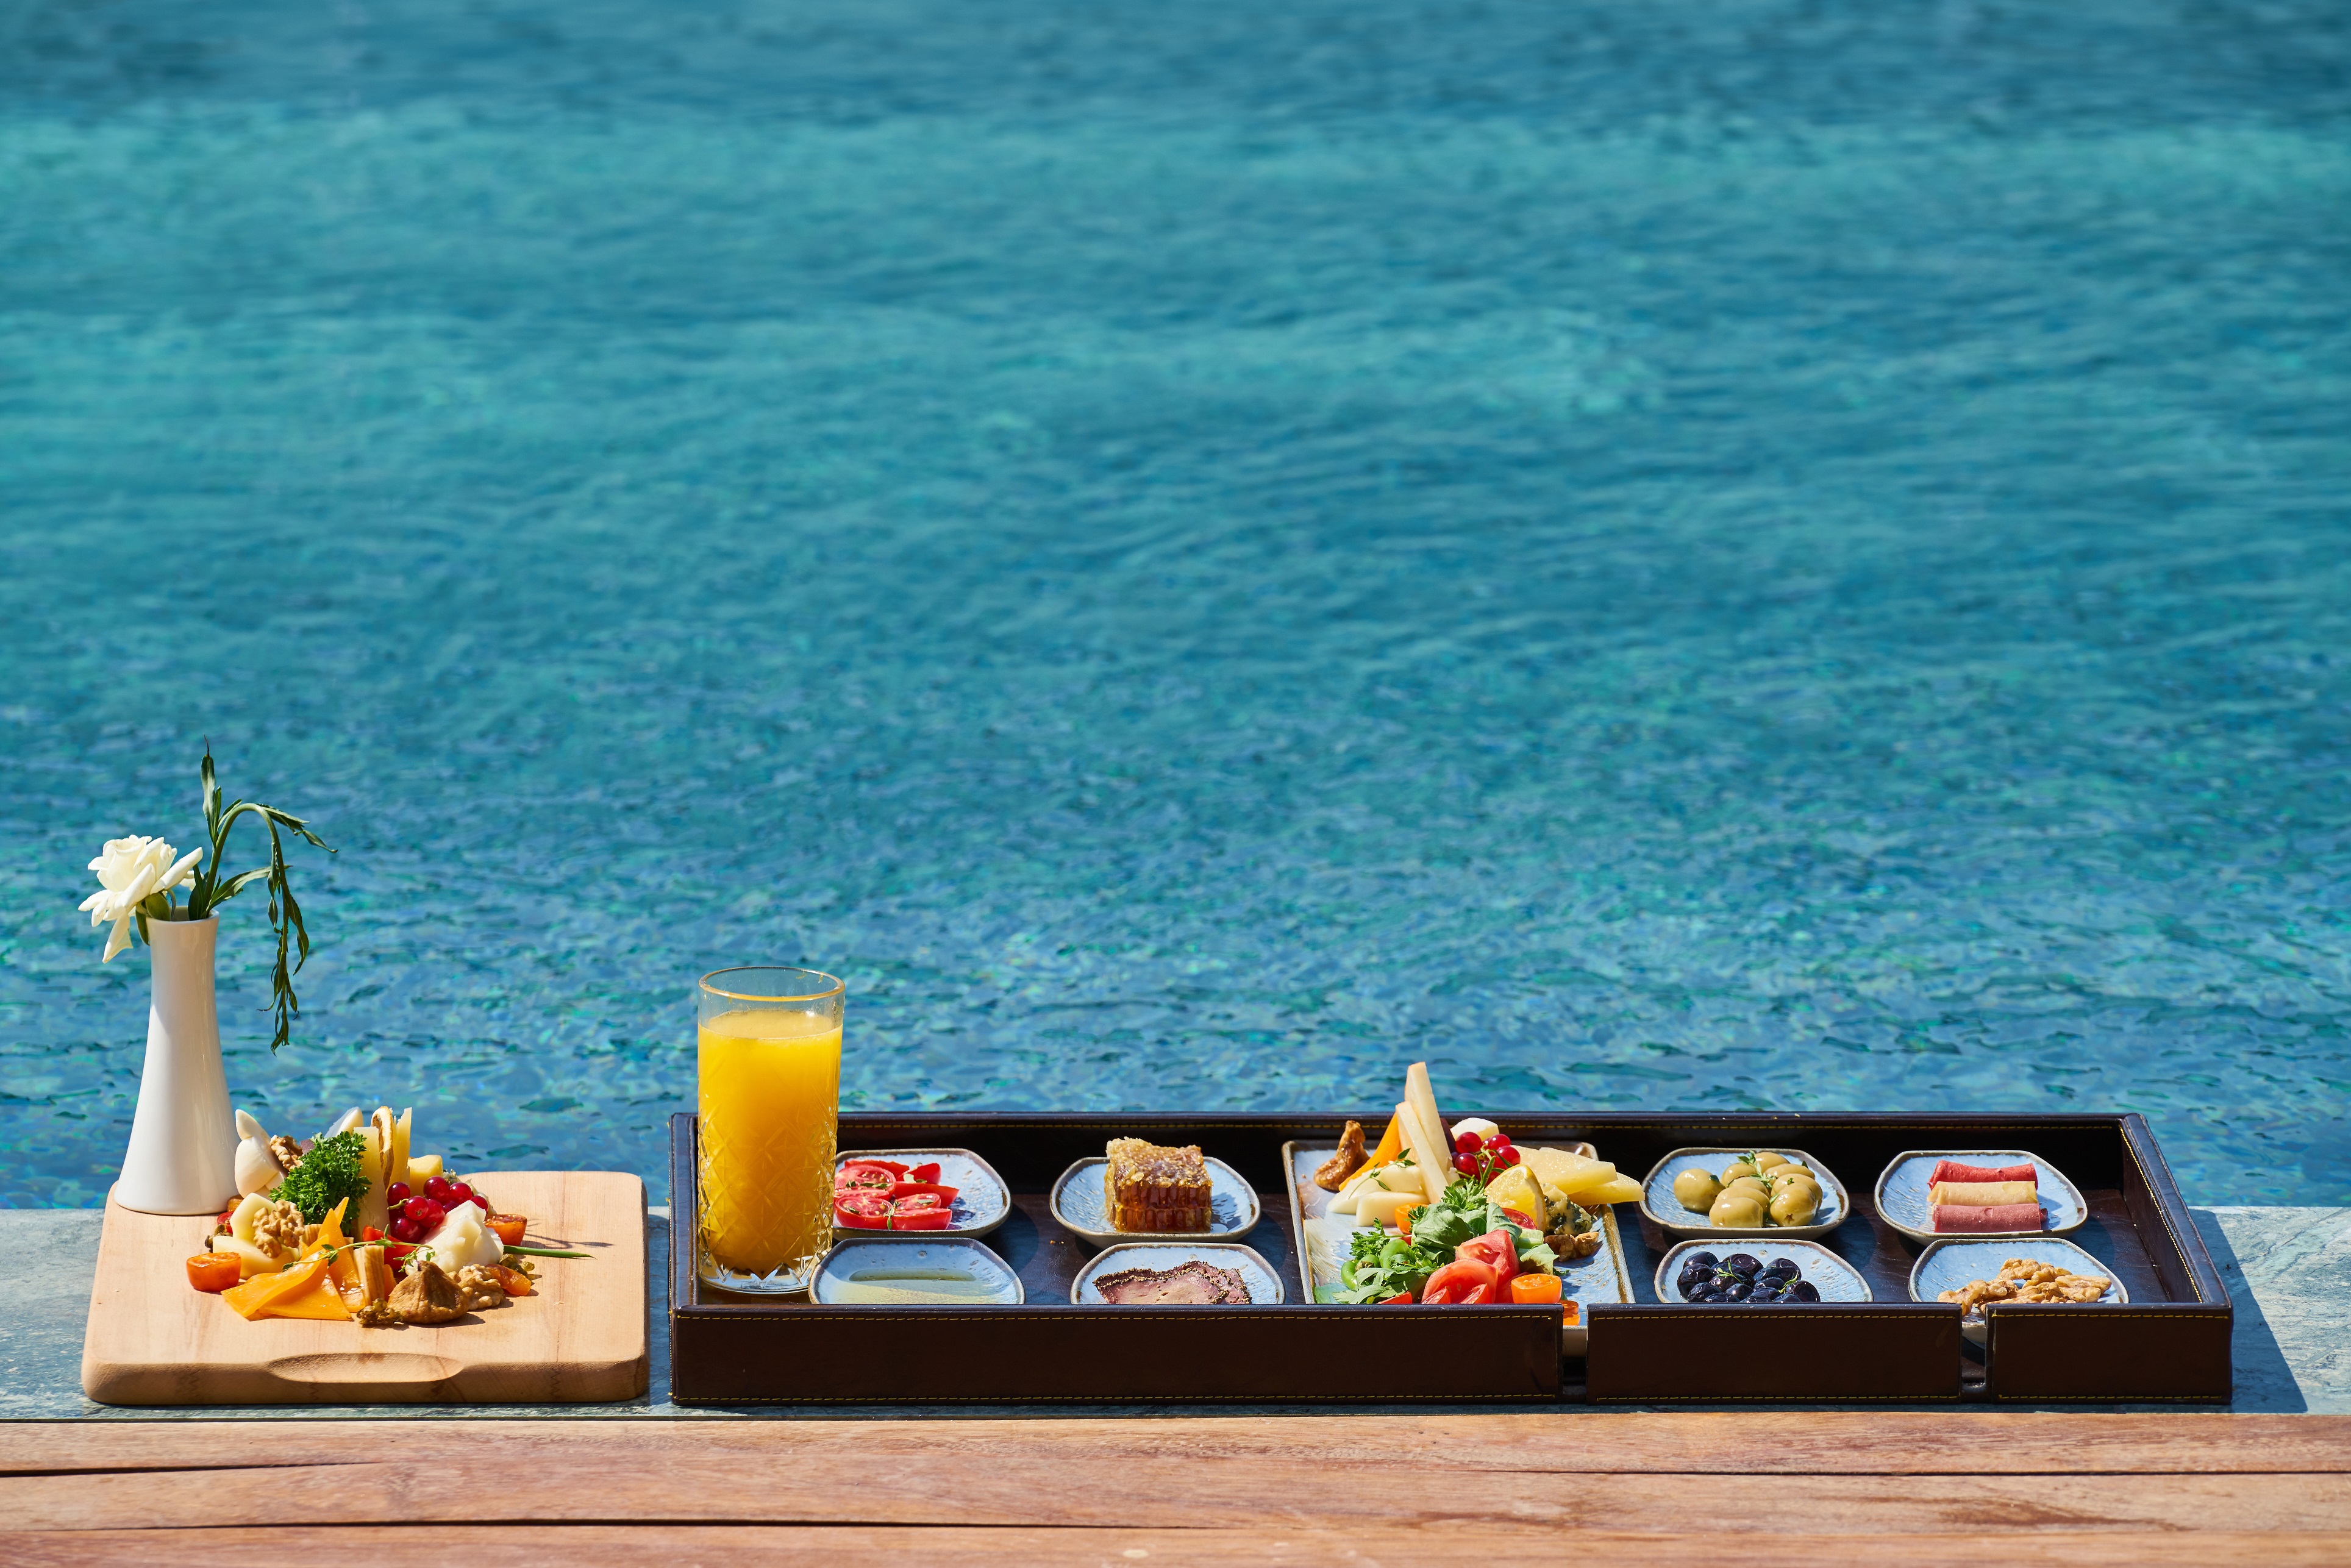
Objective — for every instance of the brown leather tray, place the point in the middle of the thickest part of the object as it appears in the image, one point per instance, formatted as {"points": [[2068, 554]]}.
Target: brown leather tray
{"points": [[736, 1350]]}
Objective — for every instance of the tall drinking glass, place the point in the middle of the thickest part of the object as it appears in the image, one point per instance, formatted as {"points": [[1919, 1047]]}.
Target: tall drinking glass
{"points": [[770, 1103]]}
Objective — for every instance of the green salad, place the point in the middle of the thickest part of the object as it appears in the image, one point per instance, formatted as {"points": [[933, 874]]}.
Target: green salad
{"points": [[1380, 1266]]}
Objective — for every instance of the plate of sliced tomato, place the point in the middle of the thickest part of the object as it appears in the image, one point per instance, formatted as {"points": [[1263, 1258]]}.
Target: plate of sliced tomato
{"points": [[950, 1192]]}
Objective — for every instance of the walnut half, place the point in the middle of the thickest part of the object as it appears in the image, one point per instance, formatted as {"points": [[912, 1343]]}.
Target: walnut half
{"points": [[478, 1289]]}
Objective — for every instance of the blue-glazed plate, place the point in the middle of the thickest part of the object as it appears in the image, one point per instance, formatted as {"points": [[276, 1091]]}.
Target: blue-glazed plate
{"points": [[1081, 1205], [868, 1253], [1665, 1210], [1264, 1284], [1832, 1276], [1902, 1193], [982, 1201], [1954, 1261]]}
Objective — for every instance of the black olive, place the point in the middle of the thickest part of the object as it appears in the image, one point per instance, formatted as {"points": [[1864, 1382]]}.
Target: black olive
{"points": [[1783, 1266], [1737, 1292], [1767, 1289], [1700, 1260], [1803, 1291], [1740, 1264]]}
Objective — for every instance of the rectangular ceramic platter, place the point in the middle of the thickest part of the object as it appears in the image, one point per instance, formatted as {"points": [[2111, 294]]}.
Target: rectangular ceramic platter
{"points": [[153, 1340], [1322, 1246]]}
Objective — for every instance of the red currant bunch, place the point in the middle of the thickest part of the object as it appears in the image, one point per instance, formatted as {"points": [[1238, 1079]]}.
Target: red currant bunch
{"points": [[1484, 1157]]}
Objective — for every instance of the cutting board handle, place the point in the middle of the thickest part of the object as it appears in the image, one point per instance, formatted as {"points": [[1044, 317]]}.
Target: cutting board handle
{"points": [[365, 1367]]}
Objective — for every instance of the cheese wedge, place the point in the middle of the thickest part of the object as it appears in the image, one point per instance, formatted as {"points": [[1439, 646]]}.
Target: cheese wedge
{"points": [[1391, 1143], [396, 1164], [1619, 1189], [1381, 1207], [1431, 1160], [423, 1169]]}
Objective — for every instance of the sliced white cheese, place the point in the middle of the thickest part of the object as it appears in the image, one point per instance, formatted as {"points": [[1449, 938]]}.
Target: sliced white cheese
{"points": [[1381, 1207]]}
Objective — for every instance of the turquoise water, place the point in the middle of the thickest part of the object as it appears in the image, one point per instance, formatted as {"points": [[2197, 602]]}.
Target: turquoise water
{"points": [[1731, 555]]}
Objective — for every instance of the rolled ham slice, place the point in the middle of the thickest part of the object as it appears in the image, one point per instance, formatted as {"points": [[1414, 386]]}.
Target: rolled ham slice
{"points": [[1999, 1216], [1951, 1170], [1982, 1193]]}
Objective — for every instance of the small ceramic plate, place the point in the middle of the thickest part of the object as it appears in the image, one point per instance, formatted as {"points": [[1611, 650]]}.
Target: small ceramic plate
{"points": [[1832, 1276], [1264, 1284], [982, 1201], [1658, 1200], [1080, 1204], [1953, 1262], [1325, 1239], [1902, 1194], [859, 1260]]}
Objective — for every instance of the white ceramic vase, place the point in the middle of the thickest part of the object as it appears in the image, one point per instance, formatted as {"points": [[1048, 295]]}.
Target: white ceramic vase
{"points": [[182, 1153]]}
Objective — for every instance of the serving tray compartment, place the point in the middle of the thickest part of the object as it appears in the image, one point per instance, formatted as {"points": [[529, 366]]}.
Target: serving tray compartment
{"points": [[2170, 1344]]}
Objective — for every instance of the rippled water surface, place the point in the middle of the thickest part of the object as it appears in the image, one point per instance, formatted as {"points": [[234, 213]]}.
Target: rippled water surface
{"points": [[1662, 555]]}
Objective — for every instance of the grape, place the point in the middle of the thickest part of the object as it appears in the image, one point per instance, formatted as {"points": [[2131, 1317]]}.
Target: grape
{"points": [[424, 1212], [1504, 1157], [1499, 1141], [406, 1229], [1467, 1143], [458, 1192], [398, 1193], [437, 1189], [1465, 1163]]}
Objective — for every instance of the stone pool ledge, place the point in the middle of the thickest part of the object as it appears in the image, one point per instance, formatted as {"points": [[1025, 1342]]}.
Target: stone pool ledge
{"points": [[2287, 1270]]}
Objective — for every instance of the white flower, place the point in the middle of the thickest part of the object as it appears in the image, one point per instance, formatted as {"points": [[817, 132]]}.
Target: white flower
{"points": [[130, 872]]}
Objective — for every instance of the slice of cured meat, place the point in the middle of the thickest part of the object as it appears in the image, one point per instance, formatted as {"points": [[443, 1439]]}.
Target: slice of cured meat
{"points": [[1189, 1283]]}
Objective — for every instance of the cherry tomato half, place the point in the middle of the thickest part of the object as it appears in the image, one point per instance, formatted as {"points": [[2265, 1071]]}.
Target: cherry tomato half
{"points": [[862, 1211], [906, 1189], [924, 1173], [1529, 1290], [904, 1219], [212, 1272], [865, 1177]]}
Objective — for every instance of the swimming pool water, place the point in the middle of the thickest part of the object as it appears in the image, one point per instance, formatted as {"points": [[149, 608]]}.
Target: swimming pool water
{"points": [[1741, 555]]}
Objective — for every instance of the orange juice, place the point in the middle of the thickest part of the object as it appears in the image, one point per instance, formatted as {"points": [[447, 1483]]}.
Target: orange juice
{"points": [[771, 1103]]}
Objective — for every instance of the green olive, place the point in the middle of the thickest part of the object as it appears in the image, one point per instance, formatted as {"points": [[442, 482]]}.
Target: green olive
{"points": [[1737, 1169], [1694, 1189], [1749, 1184], [1794, 1208], [1784, 1178], [1767, 1160], [1737, 1211]]}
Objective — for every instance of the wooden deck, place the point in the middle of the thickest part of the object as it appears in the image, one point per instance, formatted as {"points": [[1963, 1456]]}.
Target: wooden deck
{"points": [[1656, 1489]]}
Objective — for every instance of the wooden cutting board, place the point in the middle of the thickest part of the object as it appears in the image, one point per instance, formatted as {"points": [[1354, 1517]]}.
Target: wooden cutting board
{"points": [[154, 1340]]}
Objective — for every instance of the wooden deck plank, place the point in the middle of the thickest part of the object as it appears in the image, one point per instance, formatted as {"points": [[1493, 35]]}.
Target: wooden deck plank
{"points": [[1566, 1443], [1167, 1494], [1411, 1547]]}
